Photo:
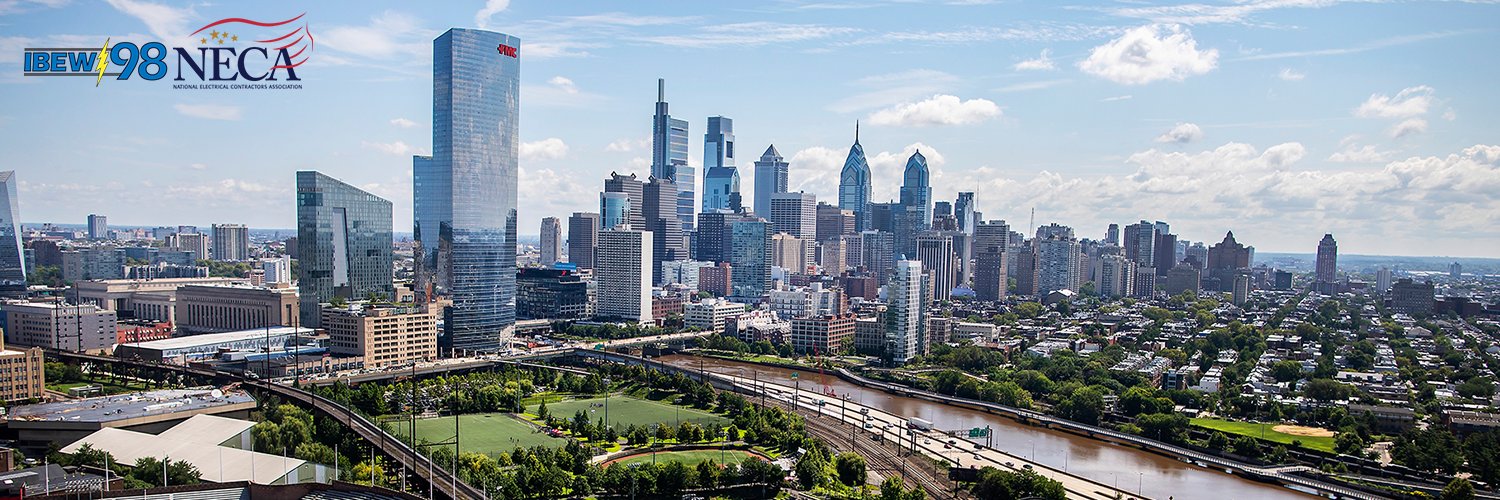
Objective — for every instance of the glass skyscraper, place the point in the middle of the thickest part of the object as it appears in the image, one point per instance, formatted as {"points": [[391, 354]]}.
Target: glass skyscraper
{"points": [[669, 157], [770, 178], [343, 243], [465, 194], [916, 190], [854, 184], [721, 180], [12, 256], [750, 257]]}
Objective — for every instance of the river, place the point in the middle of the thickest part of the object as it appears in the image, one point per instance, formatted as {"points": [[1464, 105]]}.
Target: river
{"points": [[1155, 476]]}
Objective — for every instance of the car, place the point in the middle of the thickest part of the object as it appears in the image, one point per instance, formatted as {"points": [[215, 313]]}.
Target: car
{"points": [[1010, 464], [1027, 466], [952, 441], [867, 426], [947, 446], [977, 457], [925, 441], [978, 446]]}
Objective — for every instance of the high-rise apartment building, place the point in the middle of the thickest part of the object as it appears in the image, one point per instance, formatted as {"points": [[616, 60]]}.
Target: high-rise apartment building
{"points": [[793, 254], [231, 242], [1114, 275], [660, 210], [878, 249], [383, 335], [1412, 298], [906, 312], [345, 240], [990, 273], [1183, 277], [1164, 253], [854, 184], [622, 269], [750, 255], [669, 157], [1056, 260], [770, 179], [1383, 279], [793, 213], [721, 179], [465, 193], [583, 234], [935, 252], [711, 241], [1112, 235], [98, 227], [1327, 268], [75, 328], [550, 241]]}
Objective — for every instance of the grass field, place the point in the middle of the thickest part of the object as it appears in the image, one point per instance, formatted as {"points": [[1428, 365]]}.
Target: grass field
{"points": [[1265, 431], [690, 458], [627, 410], [486, 433]]}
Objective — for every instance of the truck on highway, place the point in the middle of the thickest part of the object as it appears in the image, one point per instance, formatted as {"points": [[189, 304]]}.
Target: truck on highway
{"points": [[917, 423]]}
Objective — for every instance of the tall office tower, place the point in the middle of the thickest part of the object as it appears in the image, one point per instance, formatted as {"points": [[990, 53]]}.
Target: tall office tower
{"points": [[935, 251], [614, 210], [750, 256], [634, 191], [963, 251], [1112, 235], [344, 238], [794, 213], [1327, 269], [942, 217], [770, 179], [791, 253], [669, 157], [12, 256], [551, 241], [711, 241], [916, 190], [906, 224], [583, 235], [231, 242], [990, 276], [877, 249], [1114, 275], [964, 210], [1164, 253], [834, 221], [1225, 260], [906, 316], [1056, 261], [1197, 254], [854, 184], [465, 198], [1383, 279], [661, 219], [1140, 243], [721, 180], [622, 271], [98, 227]]}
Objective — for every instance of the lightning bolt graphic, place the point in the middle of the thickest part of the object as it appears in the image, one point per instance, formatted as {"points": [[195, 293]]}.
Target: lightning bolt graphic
{"points": [[103, 62]]}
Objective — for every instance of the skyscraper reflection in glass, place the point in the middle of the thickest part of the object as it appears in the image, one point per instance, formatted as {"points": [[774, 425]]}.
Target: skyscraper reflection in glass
{"points": [[343, 243], [465, 195]]}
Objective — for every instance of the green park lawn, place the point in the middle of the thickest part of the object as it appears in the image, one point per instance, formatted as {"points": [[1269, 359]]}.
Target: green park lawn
{"points": [[487, 433], [627, 410], [689, 458], [1264, 431]]}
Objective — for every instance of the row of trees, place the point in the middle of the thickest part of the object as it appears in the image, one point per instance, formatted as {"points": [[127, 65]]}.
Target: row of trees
{"points": [[146, 472]]}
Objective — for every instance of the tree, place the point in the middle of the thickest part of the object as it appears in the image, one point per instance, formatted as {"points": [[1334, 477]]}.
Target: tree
{"points": [[541, 410], [317, 453], [1348, 443], [811, 469], [1218, 441], [1029, 310], [850, 468], [995, 483], [1458, 489], [1286, 370], [708, 474], [1083, 405], [1323, 389], [1483, 452], [895, 489]]}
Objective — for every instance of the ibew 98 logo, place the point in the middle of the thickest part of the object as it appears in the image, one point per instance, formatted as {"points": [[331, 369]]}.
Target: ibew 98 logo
{"points": [[227, 50]]}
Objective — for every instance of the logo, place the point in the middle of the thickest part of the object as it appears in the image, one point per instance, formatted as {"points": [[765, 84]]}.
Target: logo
{"points": [[508, 51], [231, 53]]}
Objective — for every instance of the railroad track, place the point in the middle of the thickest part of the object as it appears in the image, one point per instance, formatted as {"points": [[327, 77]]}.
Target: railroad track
{"points": [[878, 456]]}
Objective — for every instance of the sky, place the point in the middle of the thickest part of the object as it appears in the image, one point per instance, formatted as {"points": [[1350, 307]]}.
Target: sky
{"points": [[1280, 120]]}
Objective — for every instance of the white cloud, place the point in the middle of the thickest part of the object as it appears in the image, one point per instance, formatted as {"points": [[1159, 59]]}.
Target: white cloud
{"points": [[397, 148], [403, 123], [1287, 74], [1117, 98], [168, 24], [749, 34], [1183, 133], [937, 110], [895, 88], [491, 7], [390, 35], [628, 145], [1355, 153], [558, 91], [1450, 115], [208, 111], [1410, 102], [550, 148], [198, 166], [1037, 85], [1150, 53], [1041, 63], [1409, 126], [564, 84]]}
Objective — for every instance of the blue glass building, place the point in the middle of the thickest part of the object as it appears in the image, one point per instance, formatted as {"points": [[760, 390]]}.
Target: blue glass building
{"points": [[465, 194], [916, 190], [770, 178], [12, 256], [854, 184], [721, 180], [750, 257], [343, 243], [669, 157], [614, 209]]}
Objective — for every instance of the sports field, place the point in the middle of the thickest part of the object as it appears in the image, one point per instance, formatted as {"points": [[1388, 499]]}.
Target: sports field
{"points": [[1266, 431], [690, 458], [486, 433], [627, 410]]}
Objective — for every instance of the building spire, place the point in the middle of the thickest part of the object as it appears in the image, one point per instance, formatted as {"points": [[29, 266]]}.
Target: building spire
{"points": [[856, 131], [661, 89]]}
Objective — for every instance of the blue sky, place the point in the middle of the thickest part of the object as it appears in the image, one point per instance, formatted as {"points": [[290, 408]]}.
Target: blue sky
{"points": [[1279, 120]]}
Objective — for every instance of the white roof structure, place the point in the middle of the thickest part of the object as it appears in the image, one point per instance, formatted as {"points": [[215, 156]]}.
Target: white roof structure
{"points": [[195, 441]]}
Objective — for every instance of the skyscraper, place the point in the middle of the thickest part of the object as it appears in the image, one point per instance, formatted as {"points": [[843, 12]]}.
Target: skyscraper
{"points": [[905, 320], [711, 241], [551, 241], [669, 157], [344, 243], [1225, 260], [231, 242], [1327, 268], [1383, 279], [1140, 243], [614, 210], [770, 179], [583, 235], [1164, 253], [1114, 275], [1112, 235], [1056, 259], [623, 264], [465, 197], [98, 227], [935, 251], [963, 210], [834, 221], [916, 190], [634, 191], [750, 256], [12, 257], [854, 184], [794, 213], [721, 180], [660, 211], [877, 249], [990, 241]]}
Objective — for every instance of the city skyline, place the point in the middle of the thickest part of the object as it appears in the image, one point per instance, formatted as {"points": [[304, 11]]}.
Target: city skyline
{"points": [[1042, 122]]}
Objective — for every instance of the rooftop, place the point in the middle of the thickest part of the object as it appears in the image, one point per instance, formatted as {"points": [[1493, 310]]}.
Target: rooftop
{"points": [[221, 338], [127, 406], [196, 441]]}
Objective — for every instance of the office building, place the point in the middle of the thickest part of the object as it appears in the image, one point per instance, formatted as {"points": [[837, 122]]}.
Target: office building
{"points": [[1164, 253], [683, 272], [224, 308], [75, 328], [550, 242], [1183, 277], [906, 313], [1145, 282], [935, 251], [710, 314], [1114, 276], [916, 192], [942, 217], [807, 301], [770, 179], [1140, 243], [906, 224], [622, 271], [231, 242], [1024, 269], [991, 239], [750, 256], [23, 375], [1412, 298], [345, 237], [1225, 260], [465, 195], [793, 254], [717, 280], [838, 254], [878, 249], [383, 335], [964, 210], [627, 203], [834, 221], [854, 184], [551, 293], [98, 227], [669, 157], [1327, 267], [1112, 235], [822, 335], [721, 179], [660, 211], [583, 235], [711, 241], [153, 300], [793, 213]]}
